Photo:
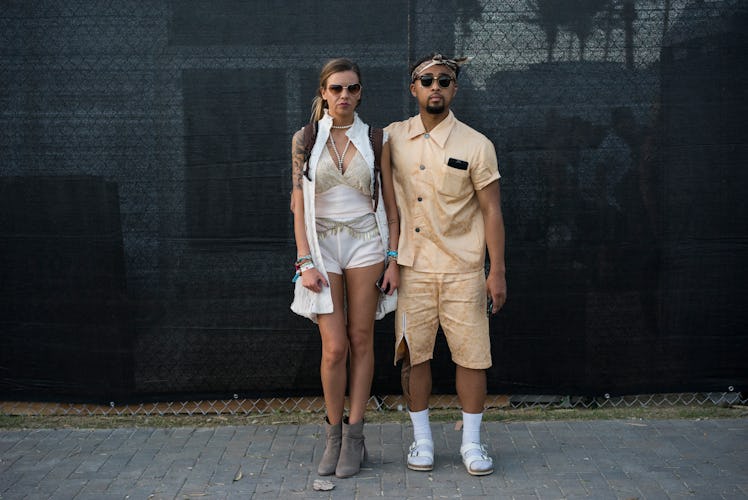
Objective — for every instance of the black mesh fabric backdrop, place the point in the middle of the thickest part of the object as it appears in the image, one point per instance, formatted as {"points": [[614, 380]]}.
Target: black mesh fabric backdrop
{"points": [[145, 237]]}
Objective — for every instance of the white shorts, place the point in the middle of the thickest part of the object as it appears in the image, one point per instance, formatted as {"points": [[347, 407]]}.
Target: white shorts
{"points": [[349, 244]]}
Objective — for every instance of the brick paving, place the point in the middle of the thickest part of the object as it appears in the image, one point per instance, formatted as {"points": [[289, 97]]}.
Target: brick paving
{"points": [[608, 459]]}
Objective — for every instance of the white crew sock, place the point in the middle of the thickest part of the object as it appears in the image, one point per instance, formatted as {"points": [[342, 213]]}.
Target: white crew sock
{"points": [[471, 427], [421, 426], [471, 434]]}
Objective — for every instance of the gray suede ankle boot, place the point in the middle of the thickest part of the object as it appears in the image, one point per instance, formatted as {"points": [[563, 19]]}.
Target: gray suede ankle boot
{"points": [[352, 449], [332, 449]]}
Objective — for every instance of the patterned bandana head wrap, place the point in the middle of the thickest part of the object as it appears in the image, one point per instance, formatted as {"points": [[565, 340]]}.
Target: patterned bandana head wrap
{"points": [[452, 64]]}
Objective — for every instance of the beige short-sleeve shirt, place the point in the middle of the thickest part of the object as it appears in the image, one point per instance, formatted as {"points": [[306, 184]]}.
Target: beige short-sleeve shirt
{"points": [[436, 176]]}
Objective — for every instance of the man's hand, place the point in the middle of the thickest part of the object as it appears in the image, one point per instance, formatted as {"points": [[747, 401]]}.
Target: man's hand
{"points": [[496, 290]]}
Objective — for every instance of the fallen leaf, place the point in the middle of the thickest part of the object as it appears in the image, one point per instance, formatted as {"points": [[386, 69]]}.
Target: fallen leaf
{"points": [[322, 485], [238, 475], [458, 425]]}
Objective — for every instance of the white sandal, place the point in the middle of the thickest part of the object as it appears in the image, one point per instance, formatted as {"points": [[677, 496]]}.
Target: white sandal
{"points": [[421, 455], [476, 452]]}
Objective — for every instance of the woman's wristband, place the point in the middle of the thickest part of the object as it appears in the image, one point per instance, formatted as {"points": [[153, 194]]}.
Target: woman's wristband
{"points": [[303, 263], [303, 258]]}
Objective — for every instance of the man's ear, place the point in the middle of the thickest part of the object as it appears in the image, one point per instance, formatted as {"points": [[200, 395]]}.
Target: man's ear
{"points": [[413, 89]]}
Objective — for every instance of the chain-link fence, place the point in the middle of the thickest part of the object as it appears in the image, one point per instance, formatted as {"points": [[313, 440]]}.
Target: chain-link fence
{"points": [[247, 407], [145, 235]]}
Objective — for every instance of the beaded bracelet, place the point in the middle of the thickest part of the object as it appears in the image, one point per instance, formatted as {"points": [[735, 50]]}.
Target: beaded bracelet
{"points": [[303, 263], [302, 259], [392, 254]]}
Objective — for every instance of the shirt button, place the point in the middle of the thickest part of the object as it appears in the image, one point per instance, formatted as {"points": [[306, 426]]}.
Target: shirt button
{"points": [[420, 199], [422, 167], [418, 230], [426, 135]]}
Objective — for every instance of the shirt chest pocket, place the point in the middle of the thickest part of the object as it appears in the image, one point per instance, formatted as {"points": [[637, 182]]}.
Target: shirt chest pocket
{"points": [[453, 181]]}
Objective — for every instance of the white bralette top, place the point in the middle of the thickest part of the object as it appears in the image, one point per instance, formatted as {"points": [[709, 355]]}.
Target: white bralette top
{"points": [[342, 196], [357, 175]]}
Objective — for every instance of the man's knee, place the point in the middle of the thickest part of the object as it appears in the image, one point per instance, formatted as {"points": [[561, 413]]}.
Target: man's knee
{"points": [[416, 383], [405, 378]]}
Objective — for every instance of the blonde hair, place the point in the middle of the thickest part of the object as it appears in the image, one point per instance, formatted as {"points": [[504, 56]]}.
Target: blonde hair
{"points": [[332, 66]]}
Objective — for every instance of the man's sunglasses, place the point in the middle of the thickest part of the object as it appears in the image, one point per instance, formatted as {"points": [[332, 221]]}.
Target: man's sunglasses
{"points": [[427, 80], [353, 88]]}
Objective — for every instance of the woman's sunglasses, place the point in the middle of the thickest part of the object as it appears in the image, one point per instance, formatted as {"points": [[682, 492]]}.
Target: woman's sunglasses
{"points": [[427, 80], [353, 88]]}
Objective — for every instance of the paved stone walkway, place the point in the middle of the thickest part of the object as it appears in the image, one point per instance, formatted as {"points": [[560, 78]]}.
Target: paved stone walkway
{"points": [[615, 459]]}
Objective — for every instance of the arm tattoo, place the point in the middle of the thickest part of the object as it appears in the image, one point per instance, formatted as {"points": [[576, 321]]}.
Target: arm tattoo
{"points": [[297, 155]]}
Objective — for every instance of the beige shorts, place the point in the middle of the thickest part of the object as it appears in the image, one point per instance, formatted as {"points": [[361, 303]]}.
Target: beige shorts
{"points": [[457, 301]]}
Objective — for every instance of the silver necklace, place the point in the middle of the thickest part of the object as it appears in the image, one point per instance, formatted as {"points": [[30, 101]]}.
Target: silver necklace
{"points": [[338, 155]]}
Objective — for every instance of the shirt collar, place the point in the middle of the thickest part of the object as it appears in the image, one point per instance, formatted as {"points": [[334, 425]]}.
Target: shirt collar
{"points": [[439, 134]]}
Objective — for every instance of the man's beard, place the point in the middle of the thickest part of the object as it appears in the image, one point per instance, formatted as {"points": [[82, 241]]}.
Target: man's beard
{"points": [[435, 109]]}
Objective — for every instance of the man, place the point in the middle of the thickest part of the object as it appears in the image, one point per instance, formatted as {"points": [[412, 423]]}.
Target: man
{"points": [[447, 188]]}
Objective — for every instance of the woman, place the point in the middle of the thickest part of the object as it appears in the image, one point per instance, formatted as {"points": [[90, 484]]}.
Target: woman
{"points": [[344, 244]]}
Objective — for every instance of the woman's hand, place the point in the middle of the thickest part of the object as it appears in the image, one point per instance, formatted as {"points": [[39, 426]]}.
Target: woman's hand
{"points": [[391, 277], [313, 280]]}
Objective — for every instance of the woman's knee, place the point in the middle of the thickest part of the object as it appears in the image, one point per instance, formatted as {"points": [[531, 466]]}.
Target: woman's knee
{"points": [[334, 352], [362, 341]]}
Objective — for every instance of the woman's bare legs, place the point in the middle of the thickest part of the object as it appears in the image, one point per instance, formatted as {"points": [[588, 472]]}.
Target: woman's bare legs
{"points": [[362, 295], [332, 370]]}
